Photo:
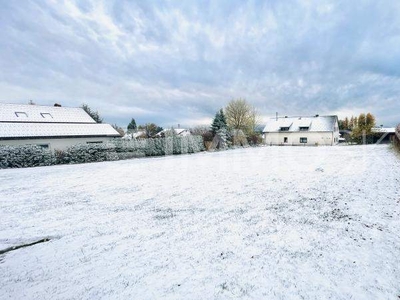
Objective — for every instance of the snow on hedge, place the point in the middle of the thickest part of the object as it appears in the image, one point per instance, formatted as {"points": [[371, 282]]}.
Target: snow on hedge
{"points": [[397, 137], [25, 156], [32, 156]]}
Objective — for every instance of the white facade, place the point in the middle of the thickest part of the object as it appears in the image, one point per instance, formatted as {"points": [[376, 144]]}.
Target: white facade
{"points": [[55, 128], [55, 143], [302, 131], [178, 131]]}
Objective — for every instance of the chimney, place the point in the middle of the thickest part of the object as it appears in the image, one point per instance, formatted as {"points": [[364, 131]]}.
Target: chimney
{"points": [[277, 116], [179, 126]]}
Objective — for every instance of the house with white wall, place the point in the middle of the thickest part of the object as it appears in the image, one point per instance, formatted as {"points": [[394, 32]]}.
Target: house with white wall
{"points": [[302, 131], [52, 127], [178, 131]]}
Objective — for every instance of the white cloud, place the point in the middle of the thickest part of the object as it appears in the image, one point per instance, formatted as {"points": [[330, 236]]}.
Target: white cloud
{"points": [[172, 63]]}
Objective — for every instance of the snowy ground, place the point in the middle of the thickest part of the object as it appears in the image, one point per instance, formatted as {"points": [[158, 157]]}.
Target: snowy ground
{"points": [[263, 223]]}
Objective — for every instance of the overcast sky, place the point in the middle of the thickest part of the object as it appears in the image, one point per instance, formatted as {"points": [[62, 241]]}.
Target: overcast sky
{"points": [[173, 62]]}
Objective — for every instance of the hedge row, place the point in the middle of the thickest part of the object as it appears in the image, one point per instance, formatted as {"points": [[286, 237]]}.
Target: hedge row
{"points": [[32, 156], [397, 137], [25, 156]]}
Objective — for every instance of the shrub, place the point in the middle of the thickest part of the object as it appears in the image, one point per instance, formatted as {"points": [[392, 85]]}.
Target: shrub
{"points": [[83, 153], [25, 156], [254, 139], [32, 156]]}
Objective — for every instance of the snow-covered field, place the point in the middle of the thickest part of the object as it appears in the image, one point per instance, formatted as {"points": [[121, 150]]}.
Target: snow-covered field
{"points": [[261, 223]]}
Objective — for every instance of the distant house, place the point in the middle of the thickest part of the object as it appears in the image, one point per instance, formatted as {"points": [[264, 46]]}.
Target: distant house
{"points": [[383, 135], [140, 134], [178, 131], [304, 131], [52, 127]]}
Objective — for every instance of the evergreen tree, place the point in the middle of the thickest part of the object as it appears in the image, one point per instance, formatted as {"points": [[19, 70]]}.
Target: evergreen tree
{"points": [[223, 119], [132, 125], [93, 114], [341, 124], [219, 122], [346, 123]]}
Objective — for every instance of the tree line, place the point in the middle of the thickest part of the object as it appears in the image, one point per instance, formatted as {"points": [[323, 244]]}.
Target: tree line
{"points": [[235, 124], [238, 124], [358, 128]]}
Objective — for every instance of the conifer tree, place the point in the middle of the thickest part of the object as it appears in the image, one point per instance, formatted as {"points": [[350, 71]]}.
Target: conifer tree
{"points": [[219, 122], [346, 123], [93, 114], [132, 125]]}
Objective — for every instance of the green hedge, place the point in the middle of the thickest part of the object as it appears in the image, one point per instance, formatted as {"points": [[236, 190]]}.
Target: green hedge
{"points": [[25, 156], [33, 156]]}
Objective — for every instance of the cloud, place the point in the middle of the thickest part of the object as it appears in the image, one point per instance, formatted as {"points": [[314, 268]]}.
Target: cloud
{"points": [[179, 62]]}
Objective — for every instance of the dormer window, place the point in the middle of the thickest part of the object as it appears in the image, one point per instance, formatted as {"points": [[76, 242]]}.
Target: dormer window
{"points": [[20, 114], [46, 115], [304, 128], [284, 128]]}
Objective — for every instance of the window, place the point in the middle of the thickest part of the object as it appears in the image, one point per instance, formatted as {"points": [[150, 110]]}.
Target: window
{"points": [[44, 146], [21, 114], [285, 139], [303, 140], [284, 128], [46, 115], [95, 142], [304, 128]]}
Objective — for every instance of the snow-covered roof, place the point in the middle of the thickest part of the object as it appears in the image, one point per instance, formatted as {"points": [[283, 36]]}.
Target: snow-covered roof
{"points": [[129, 136], [36, 130], [316, 123], [43, 114], [178, 131], [285, 123], [384, 129], [34, 121]]}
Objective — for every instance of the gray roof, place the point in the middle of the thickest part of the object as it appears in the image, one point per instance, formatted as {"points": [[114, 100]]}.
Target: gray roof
{"points": [[43, 114], [35, 121], [316, 124]]}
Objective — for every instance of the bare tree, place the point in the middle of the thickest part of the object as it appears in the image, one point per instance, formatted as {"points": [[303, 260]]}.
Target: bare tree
{"points": [[242, 115], [255, 119], [200, 130], [119, 129], [150, 129]]}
